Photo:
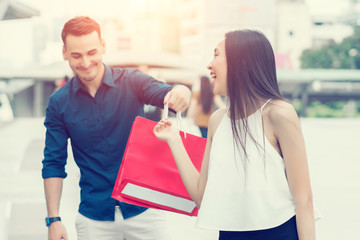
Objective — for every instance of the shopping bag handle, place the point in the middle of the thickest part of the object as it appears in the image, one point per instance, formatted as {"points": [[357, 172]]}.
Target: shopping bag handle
{"points": [[178, 118]]}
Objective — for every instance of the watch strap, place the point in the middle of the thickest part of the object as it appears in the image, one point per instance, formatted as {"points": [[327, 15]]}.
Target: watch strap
{"points": [[49, 220]]}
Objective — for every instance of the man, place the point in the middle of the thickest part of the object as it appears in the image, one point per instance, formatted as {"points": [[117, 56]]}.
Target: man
{"points": [[95, 109]]}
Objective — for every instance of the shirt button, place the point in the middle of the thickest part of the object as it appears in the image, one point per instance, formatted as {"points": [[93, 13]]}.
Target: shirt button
{"points": [[111, 171]]}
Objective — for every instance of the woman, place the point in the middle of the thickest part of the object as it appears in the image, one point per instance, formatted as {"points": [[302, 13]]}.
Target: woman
{"points": [[202, 105], [254, 181]]}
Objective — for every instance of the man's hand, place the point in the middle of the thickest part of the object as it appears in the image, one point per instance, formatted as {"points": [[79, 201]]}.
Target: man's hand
{"points": [[57, 231], [178, 98]]}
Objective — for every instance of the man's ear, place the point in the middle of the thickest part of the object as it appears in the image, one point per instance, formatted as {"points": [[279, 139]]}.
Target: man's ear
{"points": [[64, 53], [103, 46]]}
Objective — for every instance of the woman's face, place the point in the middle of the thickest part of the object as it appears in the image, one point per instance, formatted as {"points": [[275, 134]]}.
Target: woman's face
{"points": [[218, 69]]}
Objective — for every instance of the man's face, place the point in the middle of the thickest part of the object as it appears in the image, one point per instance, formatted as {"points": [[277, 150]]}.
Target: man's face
{"points": [[84, 54]]}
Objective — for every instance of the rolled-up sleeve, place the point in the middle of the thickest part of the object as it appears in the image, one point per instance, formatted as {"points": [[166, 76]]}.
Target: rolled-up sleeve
{"points": [[55, 152]]}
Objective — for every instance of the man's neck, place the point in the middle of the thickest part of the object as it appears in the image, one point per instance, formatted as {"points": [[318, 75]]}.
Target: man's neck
{"points": [[93, 86]]}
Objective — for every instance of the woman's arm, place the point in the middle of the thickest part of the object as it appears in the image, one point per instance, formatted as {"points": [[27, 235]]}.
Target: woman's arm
{"points": [[194, 181], [287, 131]]}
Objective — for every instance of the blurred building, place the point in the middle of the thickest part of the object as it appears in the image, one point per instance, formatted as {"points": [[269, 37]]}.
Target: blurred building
{"points": [[15, 14], [153, 27], [333, 27], [12, 9], [286, 23], [328, 29], [155, 32], [174, 39], [293, 32], [352, 17], [152, 38], [187, 28], [203, 23]]}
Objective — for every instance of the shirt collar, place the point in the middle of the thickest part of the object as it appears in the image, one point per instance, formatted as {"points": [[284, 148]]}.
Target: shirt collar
{"points": [[107, 79]]}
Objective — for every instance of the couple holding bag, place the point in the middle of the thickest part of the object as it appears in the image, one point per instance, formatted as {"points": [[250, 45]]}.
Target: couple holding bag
{"points": [[148, 174]]}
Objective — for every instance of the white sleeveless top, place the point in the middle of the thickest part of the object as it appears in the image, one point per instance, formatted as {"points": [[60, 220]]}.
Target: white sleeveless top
{"points": [[244, 198]]}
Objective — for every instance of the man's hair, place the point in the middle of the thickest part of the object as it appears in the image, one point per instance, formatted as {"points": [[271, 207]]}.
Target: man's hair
{"points": [[78, 26]]}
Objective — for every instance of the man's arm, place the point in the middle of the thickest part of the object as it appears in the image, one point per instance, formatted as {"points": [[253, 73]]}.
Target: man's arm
{"points": [[157, 93], [53, 190], [53, 172]]}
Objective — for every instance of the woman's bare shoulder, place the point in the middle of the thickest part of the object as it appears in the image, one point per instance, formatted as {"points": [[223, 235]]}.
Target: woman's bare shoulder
{"points": [[280, 111]]}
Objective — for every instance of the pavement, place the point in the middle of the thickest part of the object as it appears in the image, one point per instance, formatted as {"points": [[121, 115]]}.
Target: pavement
{"points": [[333, 148]]}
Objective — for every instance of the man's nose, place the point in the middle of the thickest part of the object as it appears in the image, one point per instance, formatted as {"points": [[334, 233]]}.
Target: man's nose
{"points": [[85, 62]]}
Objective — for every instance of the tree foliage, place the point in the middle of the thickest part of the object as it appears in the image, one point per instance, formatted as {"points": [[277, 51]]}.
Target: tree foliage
{"points": [[344, 55]]}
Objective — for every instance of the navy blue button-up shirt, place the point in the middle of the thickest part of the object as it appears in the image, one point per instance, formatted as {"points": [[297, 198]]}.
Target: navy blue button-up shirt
{"points": [[98, 128]]}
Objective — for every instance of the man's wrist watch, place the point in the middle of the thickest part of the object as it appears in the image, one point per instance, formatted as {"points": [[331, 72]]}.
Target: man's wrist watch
{"points": [[50, 220]]}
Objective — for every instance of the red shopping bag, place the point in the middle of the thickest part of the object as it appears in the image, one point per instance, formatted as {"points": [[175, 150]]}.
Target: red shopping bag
{"points": [[148, 174]]}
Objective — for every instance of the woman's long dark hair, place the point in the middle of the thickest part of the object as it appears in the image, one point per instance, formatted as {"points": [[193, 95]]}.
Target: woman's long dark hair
{"points": [[206, 94], [251, 77]]}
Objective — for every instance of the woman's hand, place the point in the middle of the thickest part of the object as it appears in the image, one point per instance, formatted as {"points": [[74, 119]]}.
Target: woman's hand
{"points": [[166, 131]]}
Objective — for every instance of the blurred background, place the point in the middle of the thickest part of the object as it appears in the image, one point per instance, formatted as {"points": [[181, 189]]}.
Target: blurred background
{"points": [[316, 45]]}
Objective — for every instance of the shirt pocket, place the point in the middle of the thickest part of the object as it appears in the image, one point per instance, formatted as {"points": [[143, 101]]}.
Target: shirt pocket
{"points": [[81, 132]]}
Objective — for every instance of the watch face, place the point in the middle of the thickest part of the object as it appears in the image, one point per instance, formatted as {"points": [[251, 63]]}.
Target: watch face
{"points": [[47, 221]]}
